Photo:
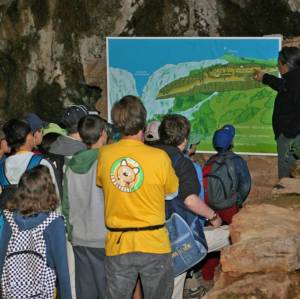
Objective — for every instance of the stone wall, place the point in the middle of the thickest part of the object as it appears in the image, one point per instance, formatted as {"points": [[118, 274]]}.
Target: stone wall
{"points": [[52, 53], [263, 260]]}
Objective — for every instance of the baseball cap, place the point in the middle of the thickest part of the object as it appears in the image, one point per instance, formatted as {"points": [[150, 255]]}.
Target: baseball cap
{"points": [[222, 139], [151, 132], [35, 122], [230, 128], [54, 128], [72, 115]]}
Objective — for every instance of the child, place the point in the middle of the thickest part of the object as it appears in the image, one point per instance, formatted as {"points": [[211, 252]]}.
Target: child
{"points": [[83, 207], [33, 245], [226, 172], [22, 142]]}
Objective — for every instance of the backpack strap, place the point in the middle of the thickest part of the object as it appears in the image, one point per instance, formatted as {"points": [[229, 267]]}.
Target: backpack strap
{"points": [[10, 219], [228, 160], [3, 179], [34, 161], [52, 216]]}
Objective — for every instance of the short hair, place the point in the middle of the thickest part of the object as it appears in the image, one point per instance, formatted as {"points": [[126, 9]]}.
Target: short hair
{"points": [[16, 131], [174, 129], [291, 57], [90, 129], [35, 194], [129, 115]]}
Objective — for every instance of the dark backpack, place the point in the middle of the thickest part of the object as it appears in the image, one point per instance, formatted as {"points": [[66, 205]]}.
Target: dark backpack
{"points": [[220, 181], [57, 163], [9, 189], [186, 234]]}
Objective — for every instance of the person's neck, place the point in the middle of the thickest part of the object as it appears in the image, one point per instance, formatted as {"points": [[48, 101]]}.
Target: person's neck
{"points": [[181, 147], [25, 148], [75, 136], [139, 136]]}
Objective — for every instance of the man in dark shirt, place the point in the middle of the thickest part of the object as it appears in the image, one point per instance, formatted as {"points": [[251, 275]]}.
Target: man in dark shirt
{"points": [[286, 113], [174, 133]]}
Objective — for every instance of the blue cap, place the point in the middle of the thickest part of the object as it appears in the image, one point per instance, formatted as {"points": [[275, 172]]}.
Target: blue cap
{"points": [[34, 122], [222, 139], [230, 128]]}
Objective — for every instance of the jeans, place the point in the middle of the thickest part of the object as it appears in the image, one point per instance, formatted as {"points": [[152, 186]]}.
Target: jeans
{"points": [[285, 156], [155, 271], [89, 272]]}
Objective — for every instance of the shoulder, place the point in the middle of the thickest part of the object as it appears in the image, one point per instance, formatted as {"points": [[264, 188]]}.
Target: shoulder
{"points": [[57, 226], [183, 164], [156, 151], [107, 148]]}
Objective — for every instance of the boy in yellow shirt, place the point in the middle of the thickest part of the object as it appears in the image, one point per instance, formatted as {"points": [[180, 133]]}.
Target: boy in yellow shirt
{"points": [[135, 179]]}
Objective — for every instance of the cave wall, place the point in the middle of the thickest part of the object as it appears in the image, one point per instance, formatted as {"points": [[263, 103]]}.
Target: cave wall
{"points": [[52, 52]]}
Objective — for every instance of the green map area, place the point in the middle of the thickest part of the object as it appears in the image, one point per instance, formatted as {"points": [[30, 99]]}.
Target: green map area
{"points": [[228, 95]]}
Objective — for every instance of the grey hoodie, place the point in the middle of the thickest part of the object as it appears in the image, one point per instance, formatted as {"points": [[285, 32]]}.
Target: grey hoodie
{"points": [[83, 204], [66, 146]]}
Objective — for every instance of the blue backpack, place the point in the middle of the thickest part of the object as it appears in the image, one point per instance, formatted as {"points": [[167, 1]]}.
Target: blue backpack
{"points": [[186, 235], [9, 189]]}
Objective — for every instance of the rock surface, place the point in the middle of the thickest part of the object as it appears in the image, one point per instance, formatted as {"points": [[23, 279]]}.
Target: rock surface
{"points": [[279, 285], [264, 220], [52, 53], [263, 261]]}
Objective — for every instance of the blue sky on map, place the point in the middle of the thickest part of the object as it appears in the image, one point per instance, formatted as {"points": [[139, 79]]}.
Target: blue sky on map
{"points": [[142, 57]]}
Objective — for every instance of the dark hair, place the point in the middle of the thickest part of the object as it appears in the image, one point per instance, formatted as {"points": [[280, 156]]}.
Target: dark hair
{"points": [[90, 129], [129, 115], [174, 129], [16, 131], [2, 134], [47, 141], [36, 193], [291, 57]]}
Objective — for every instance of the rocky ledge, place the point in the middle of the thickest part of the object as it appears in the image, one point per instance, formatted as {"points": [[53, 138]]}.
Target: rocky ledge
{"points": [[263, 261]]}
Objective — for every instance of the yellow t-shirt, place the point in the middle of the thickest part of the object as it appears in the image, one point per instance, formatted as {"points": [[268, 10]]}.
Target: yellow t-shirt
{"points": [[136, 179]]}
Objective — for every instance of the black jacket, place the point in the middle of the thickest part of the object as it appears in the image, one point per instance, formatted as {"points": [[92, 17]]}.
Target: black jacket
{"points": [[185, 171], [286, 113]]}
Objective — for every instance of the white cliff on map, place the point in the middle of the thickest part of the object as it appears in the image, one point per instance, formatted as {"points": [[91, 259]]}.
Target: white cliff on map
{"points": [[121, 83]]}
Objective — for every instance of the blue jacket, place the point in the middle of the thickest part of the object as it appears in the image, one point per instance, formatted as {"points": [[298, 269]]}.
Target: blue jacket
{"points": [[56, 248]]}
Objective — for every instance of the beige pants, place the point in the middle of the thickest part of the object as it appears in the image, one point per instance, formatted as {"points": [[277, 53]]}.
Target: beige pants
{"points": [[71, 264], [216, 239]]}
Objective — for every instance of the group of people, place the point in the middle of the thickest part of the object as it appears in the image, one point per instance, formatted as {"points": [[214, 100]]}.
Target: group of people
{"points": [[114, 196]]}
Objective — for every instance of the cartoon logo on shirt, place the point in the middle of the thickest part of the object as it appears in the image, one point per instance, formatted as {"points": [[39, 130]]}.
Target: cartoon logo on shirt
{"points": [[127, 175]]}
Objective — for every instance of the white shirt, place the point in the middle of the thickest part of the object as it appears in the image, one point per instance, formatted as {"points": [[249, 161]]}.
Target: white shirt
{"points": [[16, 165]]}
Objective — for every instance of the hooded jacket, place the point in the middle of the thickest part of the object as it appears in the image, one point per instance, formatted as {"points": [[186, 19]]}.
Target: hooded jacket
{"points": [[83, 204], [56, 249]]}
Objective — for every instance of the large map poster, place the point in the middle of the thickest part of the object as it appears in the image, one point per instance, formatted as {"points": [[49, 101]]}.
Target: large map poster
{"points": [[208, 80]]}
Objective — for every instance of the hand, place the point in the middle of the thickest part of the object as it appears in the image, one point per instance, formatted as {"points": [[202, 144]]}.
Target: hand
{"points": [[258, 75], [216, 222]]}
